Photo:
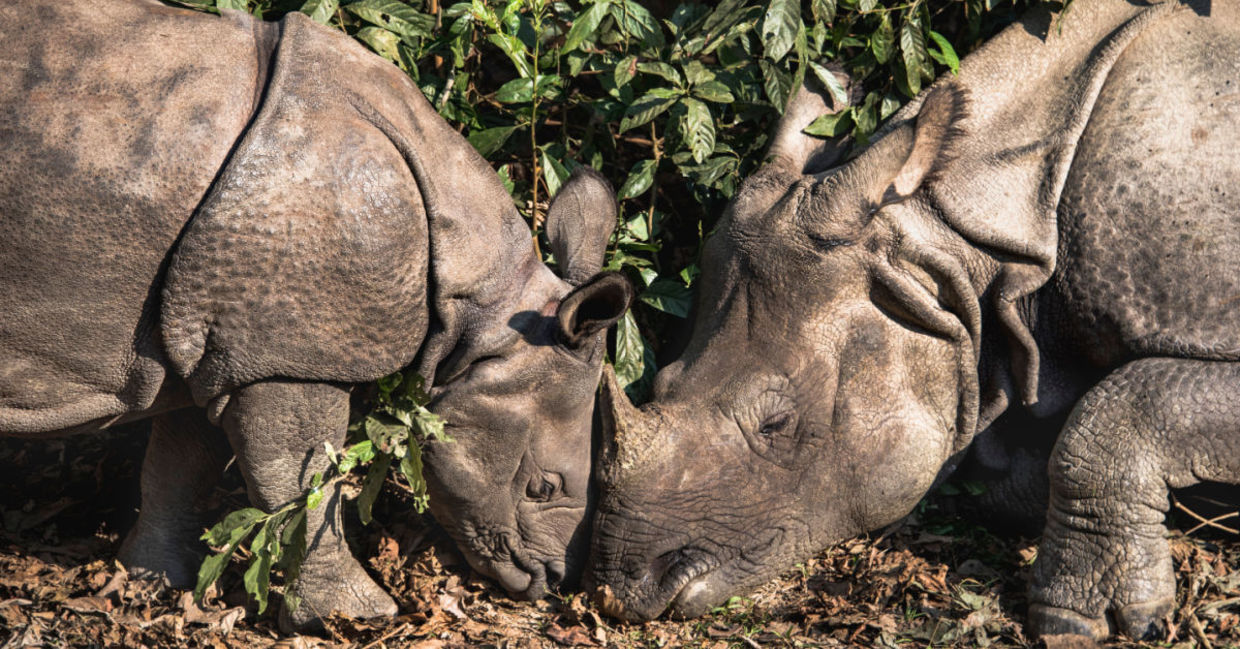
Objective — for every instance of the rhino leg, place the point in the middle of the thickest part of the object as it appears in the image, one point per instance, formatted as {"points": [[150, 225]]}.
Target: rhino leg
{"points": [[1104, 564], [277, 429], [184, 459]]}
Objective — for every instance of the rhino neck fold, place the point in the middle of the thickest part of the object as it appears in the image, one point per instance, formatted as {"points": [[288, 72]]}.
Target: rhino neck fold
{"points": [[1031, 93], [481, 255]]}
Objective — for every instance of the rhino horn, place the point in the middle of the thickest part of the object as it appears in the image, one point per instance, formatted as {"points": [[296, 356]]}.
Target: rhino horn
{"points": [[629, 433]]}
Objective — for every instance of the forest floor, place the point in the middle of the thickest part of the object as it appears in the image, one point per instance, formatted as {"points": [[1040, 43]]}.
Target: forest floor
{"points": [[932, 581]]}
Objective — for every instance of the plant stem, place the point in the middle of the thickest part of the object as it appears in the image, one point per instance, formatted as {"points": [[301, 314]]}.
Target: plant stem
{"points": [[656, 144]]}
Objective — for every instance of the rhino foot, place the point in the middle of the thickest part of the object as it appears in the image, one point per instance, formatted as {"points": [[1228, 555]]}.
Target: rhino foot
{"points": [[342, 587], [154, 559], [1052, 620], [1144, 620]]}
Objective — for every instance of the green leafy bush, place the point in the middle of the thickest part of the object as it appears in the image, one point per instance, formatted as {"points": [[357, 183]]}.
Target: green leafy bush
{"points": [[674, 102]]}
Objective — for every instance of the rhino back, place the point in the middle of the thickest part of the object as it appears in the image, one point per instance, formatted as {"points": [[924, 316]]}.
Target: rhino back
{"points": [[1149, 257], [113, 128]]}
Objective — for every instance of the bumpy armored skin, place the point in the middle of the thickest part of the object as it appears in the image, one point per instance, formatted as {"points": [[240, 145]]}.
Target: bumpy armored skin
{"points": [[1045, 242], [234, 242], [1153, 425]]}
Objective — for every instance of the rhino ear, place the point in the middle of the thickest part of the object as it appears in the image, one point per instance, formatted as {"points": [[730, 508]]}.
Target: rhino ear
{"points": [[593, 307], [579, 223], [935, 136], [804, 153]]}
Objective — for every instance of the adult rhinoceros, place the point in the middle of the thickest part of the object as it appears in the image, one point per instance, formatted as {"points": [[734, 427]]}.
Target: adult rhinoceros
{"points": [[225, 222], [1056, 229]]}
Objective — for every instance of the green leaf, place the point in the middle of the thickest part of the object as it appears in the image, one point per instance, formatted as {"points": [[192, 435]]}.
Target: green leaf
{"points": [[385, 430], [371, 486], [585, 25], [661, 69], [636, 227], [830, 82], [696, 73], [713, 91], [382, 41], [515, 50], [314, 497], [293, 539], [210, 570], [946, 54], [626, 69], [779, 27], [516, 91], [242, 520], [889, 106], [239, 5], [522, 90], [668, 296], [913, 46], [777, 83], [630, 351], [831, 124], [490, 140], [360, 452], [647, 108], [699, 129], [726, 14], [824, 10], [429, 425], [257, 578], [411, 469], [320, 11], [554, 173], [882, 41], [638, 22], [866, 6], [394, 16], [865, 117], [707, 173], [639, 180]]}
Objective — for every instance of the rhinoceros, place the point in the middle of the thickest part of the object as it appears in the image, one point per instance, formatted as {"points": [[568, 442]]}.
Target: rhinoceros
{"points": [[1054, 232], [225, 224]]}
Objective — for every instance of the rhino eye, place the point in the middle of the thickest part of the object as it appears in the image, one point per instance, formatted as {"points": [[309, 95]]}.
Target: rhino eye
{"points": [[826, 243], [775, 424], [543, 487]]}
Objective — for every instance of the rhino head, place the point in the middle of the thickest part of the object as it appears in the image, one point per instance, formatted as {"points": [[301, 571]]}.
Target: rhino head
{"points": [[513, 486], [830, 377]]}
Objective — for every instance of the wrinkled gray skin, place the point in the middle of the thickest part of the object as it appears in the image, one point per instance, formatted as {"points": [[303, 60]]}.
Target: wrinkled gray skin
{"points": [[1054, 232], [228, 243]]}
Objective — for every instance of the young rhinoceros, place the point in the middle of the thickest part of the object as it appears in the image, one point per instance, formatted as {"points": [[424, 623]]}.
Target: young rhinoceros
{"points": [[234, 240], [1066, 235]]}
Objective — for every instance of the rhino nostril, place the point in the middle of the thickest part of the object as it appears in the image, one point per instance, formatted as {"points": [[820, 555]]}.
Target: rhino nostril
{"points": [[666, 563]]}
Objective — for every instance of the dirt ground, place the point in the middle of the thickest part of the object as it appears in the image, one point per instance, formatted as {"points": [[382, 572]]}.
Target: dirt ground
{"points": [[933, 581]]}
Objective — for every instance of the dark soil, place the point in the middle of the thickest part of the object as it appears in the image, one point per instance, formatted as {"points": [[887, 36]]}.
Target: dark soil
{"points": [[932, 581]]}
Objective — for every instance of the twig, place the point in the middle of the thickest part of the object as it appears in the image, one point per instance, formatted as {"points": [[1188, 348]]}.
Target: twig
{"points": [[387, 636], [445, 93], [1194, 625], [1213, 522], [654, 180]]}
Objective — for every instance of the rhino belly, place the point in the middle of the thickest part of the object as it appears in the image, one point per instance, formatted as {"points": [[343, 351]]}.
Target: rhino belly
{"points": [[113, 129], [1149, 257]]}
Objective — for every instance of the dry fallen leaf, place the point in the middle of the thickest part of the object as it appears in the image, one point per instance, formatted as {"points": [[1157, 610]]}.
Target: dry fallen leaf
{"points": [[101, 605], [1069, 641], [571, 637]]}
